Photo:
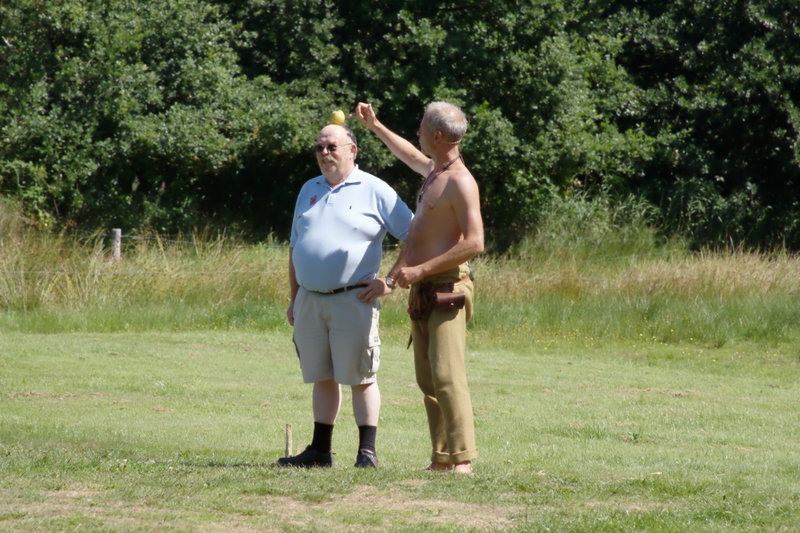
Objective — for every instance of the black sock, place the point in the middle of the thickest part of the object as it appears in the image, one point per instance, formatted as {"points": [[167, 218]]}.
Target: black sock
{"points": [[323, 434], [366, 437]]}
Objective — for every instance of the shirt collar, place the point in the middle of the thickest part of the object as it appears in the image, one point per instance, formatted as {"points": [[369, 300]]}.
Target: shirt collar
{"points": [[352, 179]]}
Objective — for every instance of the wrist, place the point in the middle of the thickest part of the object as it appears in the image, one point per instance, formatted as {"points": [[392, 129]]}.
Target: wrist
{"points": [[390, 282]]}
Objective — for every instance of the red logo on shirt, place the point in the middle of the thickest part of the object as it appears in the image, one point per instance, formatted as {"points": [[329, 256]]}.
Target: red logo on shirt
{"points": [[313, 200]]}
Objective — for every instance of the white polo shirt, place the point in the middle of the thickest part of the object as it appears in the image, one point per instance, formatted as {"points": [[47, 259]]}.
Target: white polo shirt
{"points": [[337, 234]]}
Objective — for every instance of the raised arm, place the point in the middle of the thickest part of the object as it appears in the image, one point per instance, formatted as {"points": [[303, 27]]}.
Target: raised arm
{"points": [[400, 147]]}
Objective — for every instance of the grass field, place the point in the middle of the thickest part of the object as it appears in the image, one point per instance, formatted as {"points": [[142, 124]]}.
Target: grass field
{"points": [[178, 431], [628, 386]]}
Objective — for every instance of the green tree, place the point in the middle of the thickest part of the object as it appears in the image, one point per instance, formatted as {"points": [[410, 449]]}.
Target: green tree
{"points": [[126, 113], [535, 88], [178, 114], [721, 84]]}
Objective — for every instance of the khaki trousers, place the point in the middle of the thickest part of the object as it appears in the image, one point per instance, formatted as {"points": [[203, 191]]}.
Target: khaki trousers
{"points": [[439, 352]]}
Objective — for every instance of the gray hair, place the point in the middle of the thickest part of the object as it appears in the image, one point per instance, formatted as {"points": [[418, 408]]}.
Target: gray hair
{"points": [[447, 118], [351, 135]]}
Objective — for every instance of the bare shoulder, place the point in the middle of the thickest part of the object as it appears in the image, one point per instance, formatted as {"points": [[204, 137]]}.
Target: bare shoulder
{"points": [[462, 181]]}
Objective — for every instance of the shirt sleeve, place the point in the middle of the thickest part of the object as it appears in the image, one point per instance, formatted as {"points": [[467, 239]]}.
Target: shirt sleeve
{"points": [[293, 233], [394, 211]]}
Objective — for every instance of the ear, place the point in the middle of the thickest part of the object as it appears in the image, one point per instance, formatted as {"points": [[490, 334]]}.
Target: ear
{"points": [[438, 136]]}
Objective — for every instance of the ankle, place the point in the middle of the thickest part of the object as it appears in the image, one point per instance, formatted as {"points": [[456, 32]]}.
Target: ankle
{"points": [[463, 468], [439, 467]]}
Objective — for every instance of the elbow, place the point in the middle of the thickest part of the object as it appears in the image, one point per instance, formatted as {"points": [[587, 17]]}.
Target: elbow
{"points": [[478, 246]]}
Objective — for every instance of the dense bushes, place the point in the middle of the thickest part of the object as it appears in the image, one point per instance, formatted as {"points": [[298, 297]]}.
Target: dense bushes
{"points": [[177, 114]]}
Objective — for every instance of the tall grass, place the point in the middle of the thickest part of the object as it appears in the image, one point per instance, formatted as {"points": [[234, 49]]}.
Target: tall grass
{"points": [[599, 271], [591, 269], [61, 282]]}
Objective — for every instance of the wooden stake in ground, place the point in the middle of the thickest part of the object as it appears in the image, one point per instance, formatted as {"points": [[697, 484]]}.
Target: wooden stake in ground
{"points": [[288, 440]]}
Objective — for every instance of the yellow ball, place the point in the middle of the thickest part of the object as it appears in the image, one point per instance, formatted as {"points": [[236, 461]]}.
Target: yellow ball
{"points": [[337, 117]]}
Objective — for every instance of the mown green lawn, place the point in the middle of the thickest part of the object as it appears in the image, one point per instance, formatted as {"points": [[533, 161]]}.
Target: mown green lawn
{"points": [[177, 431]]}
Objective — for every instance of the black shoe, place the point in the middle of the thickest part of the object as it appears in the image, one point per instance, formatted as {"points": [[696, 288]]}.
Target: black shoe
{"points": [[309, 458], [366, 459]]}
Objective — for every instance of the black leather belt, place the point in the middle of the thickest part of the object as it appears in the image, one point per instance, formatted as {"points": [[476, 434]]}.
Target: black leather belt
{"points": [[341, 289]]}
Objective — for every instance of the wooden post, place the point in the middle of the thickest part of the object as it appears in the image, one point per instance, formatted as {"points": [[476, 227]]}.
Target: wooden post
{"points": [[116, 244], [288, 440]]}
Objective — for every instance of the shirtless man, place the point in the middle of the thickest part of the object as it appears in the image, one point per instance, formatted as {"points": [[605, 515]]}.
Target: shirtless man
{"points": [[447, 231]]}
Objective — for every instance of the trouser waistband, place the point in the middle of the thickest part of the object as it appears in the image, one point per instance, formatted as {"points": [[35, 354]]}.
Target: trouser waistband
{"points": [[340, 289]]}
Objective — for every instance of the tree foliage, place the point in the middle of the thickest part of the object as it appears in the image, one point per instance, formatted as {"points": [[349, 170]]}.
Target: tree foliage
{"points": [[177, 113], [720, 82]]}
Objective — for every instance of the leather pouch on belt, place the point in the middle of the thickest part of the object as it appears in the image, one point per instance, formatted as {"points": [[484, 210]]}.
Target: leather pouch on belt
{"points": [[419, 304], [448, 301]]}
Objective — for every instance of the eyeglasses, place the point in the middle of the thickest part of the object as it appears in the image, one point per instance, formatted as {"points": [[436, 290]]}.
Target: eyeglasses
{"points": [[329, 147]]}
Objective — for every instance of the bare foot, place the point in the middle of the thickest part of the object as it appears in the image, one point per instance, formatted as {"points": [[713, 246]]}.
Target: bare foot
{"points": [[463, 468], [439, 467]]}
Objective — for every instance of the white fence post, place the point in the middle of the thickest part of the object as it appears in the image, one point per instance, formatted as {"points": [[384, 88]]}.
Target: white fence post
{"points": [[116, 244]]}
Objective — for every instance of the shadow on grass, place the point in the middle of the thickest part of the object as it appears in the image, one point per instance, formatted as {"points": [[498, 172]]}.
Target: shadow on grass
{"points": [[223, 464]]}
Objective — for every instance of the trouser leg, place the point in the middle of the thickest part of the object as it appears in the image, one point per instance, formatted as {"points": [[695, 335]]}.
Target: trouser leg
{"points": [[439, 358], [422, 366]]}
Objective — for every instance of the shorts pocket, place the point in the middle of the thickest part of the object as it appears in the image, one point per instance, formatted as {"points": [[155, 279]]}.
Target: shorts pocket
{"points": [[371, 354], [371, 359], [296, 349]]}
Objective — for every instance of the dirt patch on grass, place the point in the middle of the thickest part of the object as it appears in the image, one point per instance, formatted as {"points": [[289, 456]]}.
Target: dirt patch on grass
{"points": [[75, 509], [376, 510], [381, 510]]}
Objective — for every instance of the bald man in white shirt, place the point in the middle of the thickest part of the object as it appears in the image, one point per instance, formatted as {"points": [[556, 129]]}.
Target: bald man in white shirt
{"points": [[340, 220]]}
